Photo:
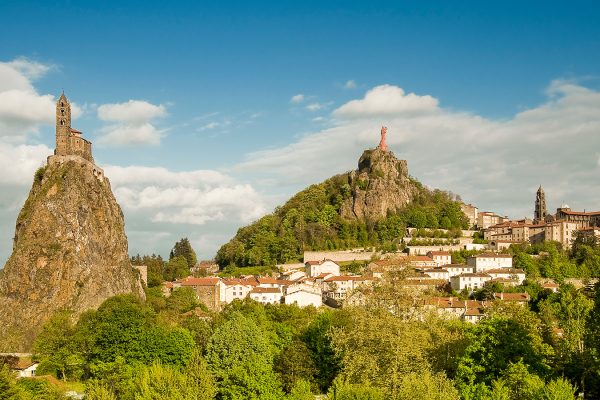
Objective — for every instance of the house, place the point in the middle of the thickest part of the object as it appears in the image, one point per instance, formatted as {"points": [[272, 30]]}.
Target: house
{"points": [[166, 288], [20, 363], [440, 257], [421, 262], [424, 284], [457, 269], [267, 282], [315, 268], [378, 268], [292, 275], [303, 294], [514, 274], [486, 219], [337, 287], [485, 261], [467, 310], [470, 281], [437, 273], [519, 298], [551, 286], [209, 291], [235, 288], [473, 315], [266, 295]]}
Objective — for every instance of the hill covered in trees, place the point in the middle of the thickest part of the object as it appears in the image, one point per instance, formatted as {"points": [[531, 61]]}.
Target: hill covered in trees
{"points": [[371, 206]]}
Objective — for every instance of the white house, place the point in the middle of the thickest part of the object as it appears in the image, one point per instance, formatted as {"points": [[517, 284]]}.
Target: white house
{"points": [[485, 261], [457, 269], [337, 287], [437, 273], [303, 294], [292, 275], [440, 257], [268, 282], [470, 281], [20, 363], [266, 295], [235, 288], [421, 262], [315, 268], [515, 274]]}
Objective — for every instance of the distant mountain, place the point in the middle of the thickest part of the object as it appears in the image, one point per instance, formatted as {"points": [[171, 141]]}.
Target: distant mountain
{"points": [[370, 206]]}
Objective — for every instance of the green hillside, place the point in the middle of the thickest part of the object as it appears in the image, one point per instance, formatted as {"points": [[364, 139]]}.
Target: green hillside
{"points": [[311, 220]]}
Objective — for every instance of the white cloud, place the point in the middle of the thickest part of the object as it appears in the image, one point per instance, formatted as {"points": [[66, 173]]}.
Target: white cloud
{"points": [[192, 197], [387, 100], [19, 162], [314, 107], [133, 123], [350, 84], [22, 109], [497, 164], [123, 135], [132, 111], [299, 98], [30, 68]]}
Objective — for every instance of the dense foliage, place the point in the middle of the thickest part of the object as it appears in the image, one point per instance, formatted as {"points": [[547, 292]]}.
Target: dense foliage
{"points": [[157, 349], [311, 220], [181, 258]]}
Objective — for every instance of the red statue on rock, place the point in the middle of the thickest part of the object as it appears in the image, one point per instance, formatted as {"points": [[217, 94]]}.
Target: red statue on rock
{"points": [[382, 144]]}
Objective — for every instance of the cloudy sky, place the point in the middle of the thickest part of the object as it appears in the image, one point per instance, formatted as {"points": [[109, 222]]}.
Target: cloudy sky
{"points": [[207, 116]]}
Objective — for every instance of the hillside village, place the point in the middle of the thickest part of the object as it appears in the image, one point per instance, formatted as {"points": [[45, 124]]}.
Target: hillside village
{"points": [[427, 269]]}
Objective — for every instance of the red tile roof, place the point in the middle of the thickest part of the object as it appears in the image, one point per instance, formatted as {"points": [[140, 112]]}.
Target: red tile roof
{"points": [[191, 281], [512, 296]]}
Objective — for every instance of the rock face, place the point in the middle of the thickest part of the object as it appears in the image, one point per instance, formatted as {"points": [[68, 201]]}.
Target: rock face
{"points": [[381, 185], [69, 251]]}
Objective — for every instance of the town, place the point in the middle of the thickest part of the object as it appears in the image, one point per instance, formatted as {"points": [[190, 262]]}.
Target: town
{"points": [[429, 271]]}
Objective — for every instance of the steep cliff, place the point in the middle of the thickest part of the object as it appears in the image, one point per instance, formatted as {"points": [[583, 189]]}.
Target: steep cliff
{"points": [[370, 206], [381, 185], [69, 251]]}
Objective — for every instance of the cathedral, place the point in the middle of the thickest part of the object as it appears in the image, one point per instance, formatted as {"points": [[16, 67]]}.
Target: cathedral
{"points": [[583, 219]]}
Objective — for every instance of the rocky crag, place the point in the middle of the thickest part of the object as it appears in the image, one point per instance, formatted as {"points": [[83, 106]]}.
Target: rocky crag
{"points": [[69, 249], [381, 185], [368, 207]]}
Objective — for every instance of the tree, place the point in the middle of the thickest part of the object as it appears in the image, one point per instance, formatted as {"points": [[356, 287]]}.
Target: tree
{"points": [[56, 348], [241, 360], [378, 348], [428, 386], [559, 389], [182, 300], [8, 389], [159, 382], [341, 390], [176, 268], [508, 336], [300, 391], [184, 249], [317, 339], [294, 364]]}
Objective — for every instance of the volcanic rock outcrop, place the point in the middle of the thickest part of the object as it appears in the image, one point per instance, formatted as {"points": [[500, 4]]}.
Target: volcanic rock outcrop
{"points": [[381, 185], [70, 248]]}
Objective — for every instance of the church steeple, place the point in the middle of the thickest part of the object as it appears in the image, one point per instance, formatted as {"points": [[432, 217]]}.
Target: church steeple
{"points": [[540, 206], [63, 124]]}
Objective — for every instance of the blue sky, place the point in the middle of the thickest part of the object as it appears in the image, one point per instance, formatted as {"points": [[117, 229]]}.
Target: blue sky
{"points": [[221, 77]]}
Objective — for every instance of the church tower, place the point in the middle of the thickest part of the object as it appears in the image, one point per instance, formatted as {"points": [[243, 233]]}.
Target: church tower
{"points": [[63, 125], [540, 206]]}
